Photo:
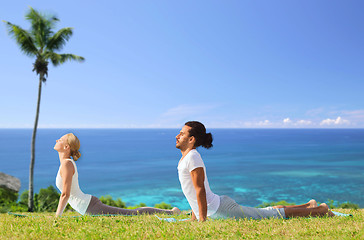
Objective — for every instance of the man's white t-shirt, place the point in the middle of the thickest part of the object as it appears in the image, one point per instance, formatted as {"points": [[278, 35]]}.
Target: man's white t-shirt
{"points": [[190, 162]]}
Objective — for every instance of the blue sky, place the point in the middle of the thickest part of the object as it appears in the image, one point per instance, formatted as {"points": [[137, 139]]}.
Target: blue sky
{"points": [[157, 64]]}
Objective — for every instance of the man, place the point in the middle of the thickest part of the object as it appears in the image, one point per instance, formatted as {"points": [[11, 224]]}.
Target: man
{"points": [[204, 203]]}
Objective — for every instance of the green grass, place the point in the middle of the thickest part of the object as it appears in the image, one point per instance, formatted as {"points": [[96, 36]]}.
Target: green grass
{"points": [[45, 226]]}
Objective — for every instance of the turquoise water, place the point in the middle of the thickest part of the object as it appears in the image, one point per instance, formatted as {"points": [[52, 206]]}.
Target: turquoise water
{"points": [[249, 165]]}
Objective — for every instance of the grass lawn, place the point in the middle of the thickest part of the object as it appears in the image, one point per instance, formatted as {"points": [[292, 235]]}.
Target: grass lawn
{"points": [[45, 226]]}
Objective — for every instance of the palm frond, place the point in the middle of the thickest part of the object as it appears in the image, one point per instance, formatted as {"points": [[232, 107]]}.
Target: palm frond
{"points": [[41, 26], [58, 59], [22, 38], [34, 16], [59, 39]]}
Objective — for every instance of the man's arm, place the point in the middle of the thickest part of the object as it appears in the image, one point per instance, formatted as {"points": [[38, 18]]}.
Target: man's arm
{"points": [[198, 179]]}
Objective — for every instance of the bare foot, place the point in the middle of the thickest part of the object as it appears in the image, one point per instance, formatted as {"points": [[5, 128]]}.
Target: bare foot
{"points": [[312, 203], [324, 205], [330, 214], [325, 210], [176, 211]]}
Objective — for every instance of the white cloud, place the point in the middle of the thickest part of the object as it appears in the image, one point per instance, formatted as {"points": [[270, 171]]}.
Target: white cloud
{"points": [[243, 124], [287, 121], [304, 122], [264, 123], [337, 121]]}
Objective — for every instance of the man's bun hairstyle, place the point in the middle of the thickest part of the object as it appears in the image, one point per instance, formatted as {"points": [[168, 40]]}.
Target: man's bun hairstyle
{"points": [[198, 131]]}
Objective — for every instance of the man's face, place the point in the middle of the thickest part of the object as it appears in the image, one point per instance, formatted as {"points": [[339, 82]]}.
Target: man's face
{"points": [[183, 139]]}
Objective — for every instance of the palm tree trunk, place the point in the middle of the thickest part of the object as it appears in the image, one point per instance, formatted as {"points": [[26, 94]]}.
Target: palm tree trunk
{"points": [[32, 159]]}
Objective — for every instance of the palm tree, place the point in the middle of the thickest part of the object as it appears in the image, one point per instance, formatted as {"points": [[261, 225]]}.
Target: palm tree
{"points": [[42, 43]]}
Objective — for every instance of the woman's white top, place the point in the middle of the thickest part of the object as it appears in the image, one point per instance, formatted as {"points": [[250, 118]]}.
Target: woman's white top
{"points": [[190, 162], [78, 200]]}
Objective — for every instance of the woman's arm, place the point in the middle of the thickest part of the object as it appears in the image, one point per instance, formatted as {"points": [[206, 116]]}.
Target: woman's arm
{"points": [[198, 180], [67, 170]]}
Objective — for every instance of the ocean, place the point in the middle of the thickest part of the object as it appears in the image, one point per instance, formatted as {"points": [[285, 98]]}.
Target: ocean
{"points": [[250, 165]]}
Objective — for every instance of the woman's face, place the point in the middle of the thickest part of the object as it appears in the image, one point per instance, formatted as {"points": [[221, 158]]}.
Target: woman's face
{"points": [[61, 144]]}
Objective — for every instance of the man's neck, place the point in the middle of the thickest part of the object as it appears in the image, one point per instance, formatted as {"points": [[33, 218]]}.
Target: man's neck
{"points": [[186, 151]]}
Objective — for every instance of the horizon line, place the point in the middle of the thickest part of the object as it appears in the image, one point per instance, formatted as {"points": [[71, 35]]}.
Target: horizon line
{"points": [[131, 128]]}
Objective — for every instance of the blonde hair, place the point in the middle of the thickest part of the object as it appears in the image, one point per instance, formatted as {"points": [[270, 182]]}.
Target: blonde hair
{"points": [[74, 144]]}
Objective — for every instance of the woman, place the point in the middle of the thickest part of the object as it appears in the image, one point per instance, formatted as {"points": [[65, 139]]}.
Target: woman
{"points": [[67, 182], [205, 203]]}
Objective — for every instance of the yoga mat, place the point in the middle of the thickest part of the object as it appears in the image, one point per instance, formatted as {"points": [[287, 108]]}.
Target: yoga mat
{"points": [[172, 219], [17, 215], [341, 214]]}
